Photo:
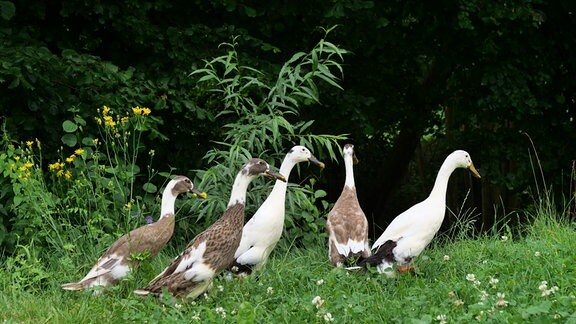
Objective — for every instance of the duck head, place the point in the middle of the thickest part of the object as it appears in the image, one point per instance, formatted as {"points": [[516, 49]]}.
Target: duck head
{"points": [[300, 154], [181, 184], [349, 151], [257, 166], [463, 160]]}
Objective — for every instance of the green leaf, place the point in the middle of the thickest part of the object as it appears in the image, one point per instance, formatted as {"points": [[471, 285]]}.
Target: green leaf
{"points": [[7, 10], [69, 126], [70, 140], [149, 187]]}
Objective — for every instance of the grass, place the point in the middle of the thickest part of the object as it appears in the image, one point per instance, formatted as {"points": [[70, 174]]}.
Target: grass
{"points": [[488, 279]]}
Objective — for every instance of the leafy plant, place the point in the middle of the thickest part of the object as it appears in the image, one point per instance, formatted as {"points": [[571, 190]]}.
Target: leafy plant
{"points": [[262, 113]]}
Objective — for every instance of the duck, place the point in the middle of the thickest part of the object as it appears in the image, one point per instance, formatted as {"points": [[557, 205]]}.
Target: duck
{"points": [[411, 231], [148, 240], [190, 274], [346, 224], [264, 229]]}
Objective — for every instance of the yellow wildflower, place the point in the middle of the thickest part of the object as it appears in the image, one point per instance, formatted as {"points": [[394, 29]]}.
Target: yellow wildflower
{"points": [[21, 168], [137, 111], [105, 110], [12, 167], [95, 141], [17, 158], [28, 165], [29, 143], [54, 166], [124, 120], [71, 158], [67, 174], [98, 120], [60, 173], [109, 121], [128, 205], [146, 111], [79, 151]]}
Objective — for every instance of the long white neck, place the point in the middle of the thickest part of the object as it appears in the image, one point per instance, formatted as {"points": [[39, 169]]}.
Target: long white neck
{"points": [[168, 201], [348, 163], [279, 190], [239, 188], [441, 183]]}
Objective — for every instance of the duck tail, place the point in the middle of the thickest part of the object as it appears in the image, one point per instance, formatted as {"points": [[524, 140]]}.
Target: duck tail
{"points": [[383, 253]]}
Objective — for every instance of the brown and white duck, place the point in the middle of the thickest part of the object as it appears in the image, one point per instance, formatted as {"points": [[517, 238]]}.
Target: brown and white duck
{"points": [[347, 225], [264, 229], [115, 263], [210, 252]]}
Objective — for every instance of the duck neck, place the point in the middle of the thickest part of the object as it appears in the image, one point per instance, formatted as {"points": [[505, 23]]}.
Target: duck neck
{"points": [[239, 188], [168, 201], [279, 190], [441, 183], [349, 165]]}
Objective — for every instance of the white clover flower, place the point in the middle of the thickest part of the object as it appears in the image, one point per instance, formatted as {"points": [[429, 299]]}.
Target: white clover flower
{"points": [[317, 301], [458, 302], [441, 319], [470, 277], [500, 295], [220, 311], [537, 254], [543, 285], [320, 282], [220, 288], [270, 290], [476, 283], [493, 282], [196, 317], [483, 295], [504, 238], [446, 258], [328, 317], [501, 302], [177, 306]]}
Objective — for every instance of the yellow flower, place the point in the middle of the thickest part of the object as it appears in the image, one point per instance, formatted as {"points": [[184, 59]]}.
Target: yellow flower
{"points": [[98, 120], [109, 121], [54, 166], [71, 158], [146, 111], [79, 151], [128, 206], [124, 120], [17, 158], [29, 143], [12, 167], [137, 111], [68, 175], [21, 168], [105, 110], [60, 173], [95, 141], [28, 165]]}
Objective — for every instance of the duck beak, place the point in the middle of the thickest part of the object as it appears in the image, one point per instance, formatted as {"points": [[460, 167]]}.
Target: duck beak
{"points": [[197, 192], [474, 171], [314, 160], [275, 175], [355, 159]]}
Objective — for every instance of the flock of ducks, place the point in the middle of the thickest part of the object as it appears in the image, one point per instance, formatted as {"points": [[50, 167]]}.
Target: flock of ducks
{"points": [[229, 244]]}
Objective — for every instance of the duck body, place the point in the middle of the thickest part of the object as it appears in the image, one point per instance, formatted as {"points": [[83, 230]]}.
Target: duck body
{"points": [[210, 252], [149, 239], [264, 229], [411, 231], [346, 224]]}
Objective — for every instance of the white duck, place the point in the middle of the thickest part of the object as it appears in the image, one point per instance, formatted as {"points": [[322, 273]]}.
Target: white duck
{"points": [[115, 263], [347, 225], [263, 230], [210, 252], [410, 232]]}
